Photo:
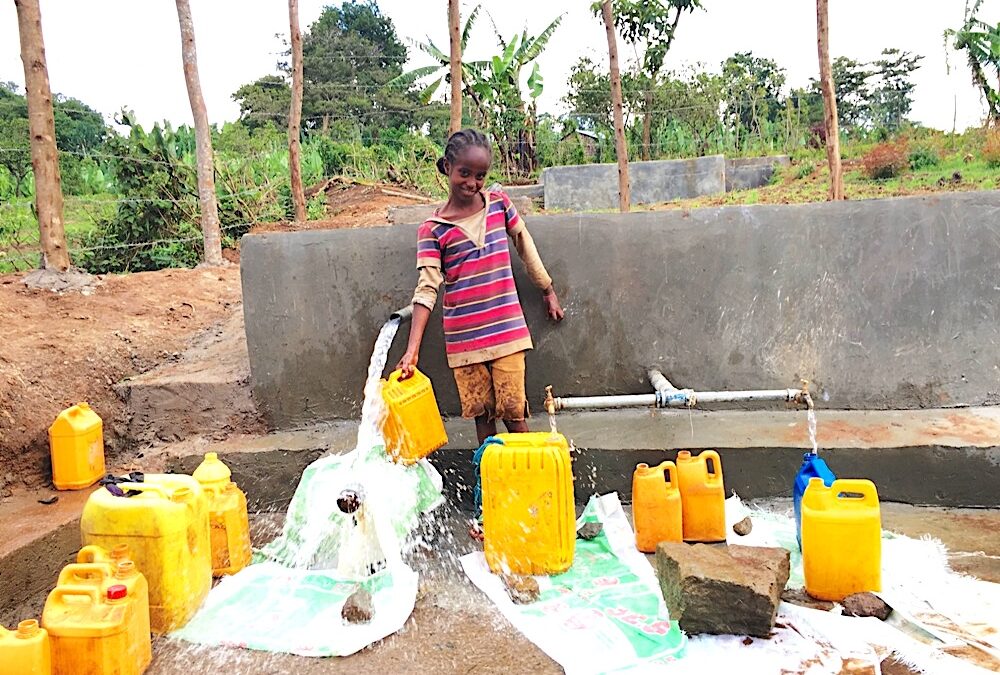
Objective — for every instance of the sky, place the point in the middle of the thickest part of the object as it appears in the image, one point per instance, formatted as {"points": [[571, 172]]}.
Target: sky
{"points": [[110, 55]]}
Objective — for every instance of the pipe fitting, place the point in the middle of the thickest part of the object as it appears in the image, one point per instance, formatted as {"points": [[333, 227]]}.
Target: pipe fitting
{"points": [[550, 403], [404, 314]]}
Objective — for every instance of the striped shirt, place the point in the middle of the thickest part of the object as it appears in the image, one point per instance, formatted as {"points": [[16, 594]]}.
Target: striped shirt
{"points": [[482, 313]]}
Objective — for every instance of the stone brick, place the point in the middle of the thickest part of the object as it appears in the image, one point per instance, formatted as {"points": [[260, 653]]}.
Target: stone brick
{"points": [[722, 589]]}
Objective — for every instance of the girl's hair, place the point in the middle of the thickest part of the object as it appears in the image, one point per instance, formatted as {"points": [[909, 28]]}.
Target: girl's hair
{"points": [[459, 141]]}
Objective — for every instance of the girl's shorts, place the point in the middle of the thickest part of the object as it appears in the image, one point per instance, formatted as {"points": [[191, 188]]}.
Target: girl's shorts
{"points": [[494, 389]]}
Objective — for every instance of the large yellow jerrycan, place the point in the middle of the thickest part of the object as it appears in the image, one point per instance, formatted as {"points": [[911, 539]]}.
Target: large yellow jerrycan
{"points": [[656, 505], [76, 444], [412, 426], [703, 496], [25, 651], [841, 538], [118, 583], [529, 518], [227, 513], [166, 527]]}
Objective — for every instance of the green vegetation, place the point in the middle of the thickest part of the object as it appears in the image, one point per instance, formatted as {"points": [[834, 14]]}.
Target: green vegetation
{"points": [[131, 200]]}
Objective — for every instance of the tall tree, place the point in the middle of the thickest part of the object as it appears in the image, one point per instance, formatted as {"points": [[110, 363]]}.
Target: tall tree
{"points": [[829, 101], [621, 149], [653, 24], [753, 85], [981, 43], [295, 115], [210, 229], [455, 56], [893, 96], [42, 127]]}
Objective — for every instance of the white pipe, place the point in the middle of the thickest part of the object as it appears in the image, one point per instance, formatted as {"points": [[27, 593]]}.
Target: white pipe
{"points": [[659, 382], [677, 398]]}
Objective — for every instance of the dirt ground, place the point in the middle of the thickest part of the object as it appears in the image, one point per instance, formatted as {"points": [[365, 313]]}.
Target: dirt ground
{"points": [[59, 350]]}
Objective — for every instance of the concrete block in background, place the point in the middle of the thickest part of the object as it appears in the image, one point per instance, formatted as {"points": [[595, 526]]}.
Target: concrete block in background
{"points": [[747, 173]]}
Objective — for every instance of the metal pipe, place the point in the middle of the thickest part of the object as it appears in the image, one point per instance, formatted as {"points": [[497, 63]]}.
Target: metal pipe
{"points": [[659, 382], [404, 314], [678, 398]]}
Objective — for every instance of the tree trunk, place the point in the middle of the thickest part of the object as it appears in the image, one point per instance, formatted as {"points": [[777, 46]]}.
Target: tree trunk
{"points": [[203, 139], [829, 102], [456, 67], [295, 115], [621, 150], [647, 124], [42, 127]]}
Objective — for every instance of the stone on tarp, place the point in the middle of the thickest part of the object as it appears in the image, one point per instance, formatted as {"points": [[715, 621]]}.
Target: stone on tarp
{"points": [[722, 589], [358, 607], [866, 604], [522, 590]]}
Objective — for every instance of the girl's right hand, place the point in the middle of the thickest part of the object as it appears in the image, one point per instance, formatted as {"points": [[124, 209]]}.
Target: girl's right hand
{"points": [[407, 364]]}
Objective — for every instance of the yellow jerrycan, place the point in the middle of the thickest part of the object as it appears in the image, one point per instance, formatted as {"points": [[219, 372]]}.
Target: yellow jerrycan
{"points": [[25, 651], [529, 517], [76, 445], [841, 538], [115, 579], [166, 526], [227, 513], [703, 496], [656, 505], [412, 426]]}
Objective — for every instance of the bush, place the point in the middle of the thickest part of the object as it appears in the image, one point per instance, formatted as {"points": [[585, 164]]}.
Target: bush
{"points": [[805, 170], [886, 160], [923, 157], [991, 149]]}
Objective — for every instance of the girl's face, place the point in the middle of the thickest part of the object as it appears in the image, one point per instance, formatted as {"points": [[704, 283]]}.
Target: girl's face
{"points": [[468, 173]]}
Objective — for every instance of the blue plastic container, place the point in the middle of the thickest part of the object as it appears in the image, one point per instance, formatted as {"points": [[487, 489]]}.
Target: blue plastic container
{"points": [[813, 466]]}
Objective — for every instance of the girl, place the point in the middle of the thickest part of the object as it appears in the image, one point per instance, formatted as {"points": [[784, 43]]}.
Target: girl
{"points": [[464, 245]]}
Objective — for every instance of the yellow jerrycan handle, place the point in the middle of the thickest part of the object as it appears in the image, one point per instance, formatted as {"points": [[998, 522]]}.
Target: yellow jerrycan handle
{"points": [[83, 573], [395, 375], [149, 487], [77, 591], [90, 554], [855, 492], [669, 470], [716, 474]]}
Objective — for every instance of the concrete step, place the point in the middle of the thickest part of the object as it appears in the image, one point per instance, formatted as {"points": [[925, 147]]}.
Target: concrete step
{"points": [[204, 391]]}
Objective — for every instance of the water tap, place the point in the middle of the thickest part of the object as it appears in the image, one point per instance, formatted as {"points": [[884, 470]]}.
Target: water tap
{"points": [[550, 403], [804, 397], [349, 501]]}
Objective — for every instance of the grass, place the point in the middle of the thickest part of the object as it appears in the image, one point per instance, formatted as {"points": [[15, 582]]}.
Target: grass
{"points": [[19, 228]]}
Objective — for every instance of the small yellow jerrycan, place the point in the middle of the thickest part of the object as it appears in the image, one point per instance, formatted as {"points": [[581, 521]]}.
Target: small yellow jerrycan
{"points": [[76, 444], [227, 513], [841, 538], [703, 496], [166, 526], [656, 506], [25, 651], [119, 640], [412, 426], [529, 517]]}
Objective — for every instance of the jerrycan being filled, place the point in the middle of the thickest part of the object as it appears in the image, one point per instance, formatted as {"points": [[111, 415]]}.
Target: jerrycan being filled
{"points": [[813, 466], [118, 639], [703, 496], [656, 505], [841, 538], [76, 444], [529, 518], [165, 523], [25, 650], [227, 512], [412, 426]]}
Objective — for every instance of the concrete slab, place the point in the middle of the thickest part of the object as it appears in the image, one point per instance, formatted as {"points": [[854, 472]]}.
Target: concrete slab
{"points": [[747, 173]]}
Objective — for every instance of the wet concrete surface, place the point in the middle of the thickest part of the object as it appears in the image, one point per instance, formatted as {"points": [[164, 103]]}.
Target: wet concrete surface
{"points": [[456, 629]]}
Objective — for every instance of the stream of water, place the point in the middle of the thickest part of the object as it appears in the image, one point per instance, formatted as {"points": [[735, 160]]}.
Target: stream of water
{"points": [[811, 419]]}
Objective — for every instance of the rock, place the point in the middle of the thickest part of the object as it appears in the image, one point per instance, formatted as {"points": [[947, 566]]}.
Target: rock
{"points": [[866, 604], [522, 590], [358, 607], [743, 527], [798, 596], [51, 499], [589, 531], [722, 589]]}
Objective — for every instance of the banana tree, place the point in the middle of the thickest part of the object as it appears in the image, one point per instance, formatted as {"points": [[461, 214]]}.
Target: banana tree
{"points": [[981, 43], [494, 88]]}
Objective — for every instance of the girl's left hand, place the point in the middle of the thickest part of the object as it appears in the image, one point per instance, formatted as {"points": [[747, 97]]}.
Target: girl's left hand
{"points": [[552, 307]]}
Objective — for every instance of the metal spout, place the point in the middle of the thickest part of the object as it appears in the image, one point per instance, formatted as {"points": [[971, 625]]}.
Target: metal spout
{"points": [[550, 403], [404, 314]]}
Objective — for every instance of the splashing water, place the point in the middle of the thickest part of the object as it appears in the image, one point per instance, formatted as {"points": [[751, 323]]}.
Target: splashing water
{"points": [[552, 423]]}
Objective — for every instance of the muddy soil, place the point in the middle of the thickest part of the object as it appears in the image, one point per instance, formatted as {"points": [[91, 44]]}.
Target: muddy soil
{"points": [[59, 350]]}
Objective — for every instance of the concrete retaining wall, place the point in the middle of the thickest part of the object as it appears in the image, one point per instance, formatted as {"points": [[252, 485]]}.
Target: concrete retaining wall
{"points": [[883, 304], [747, 173], [589, 187]]}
